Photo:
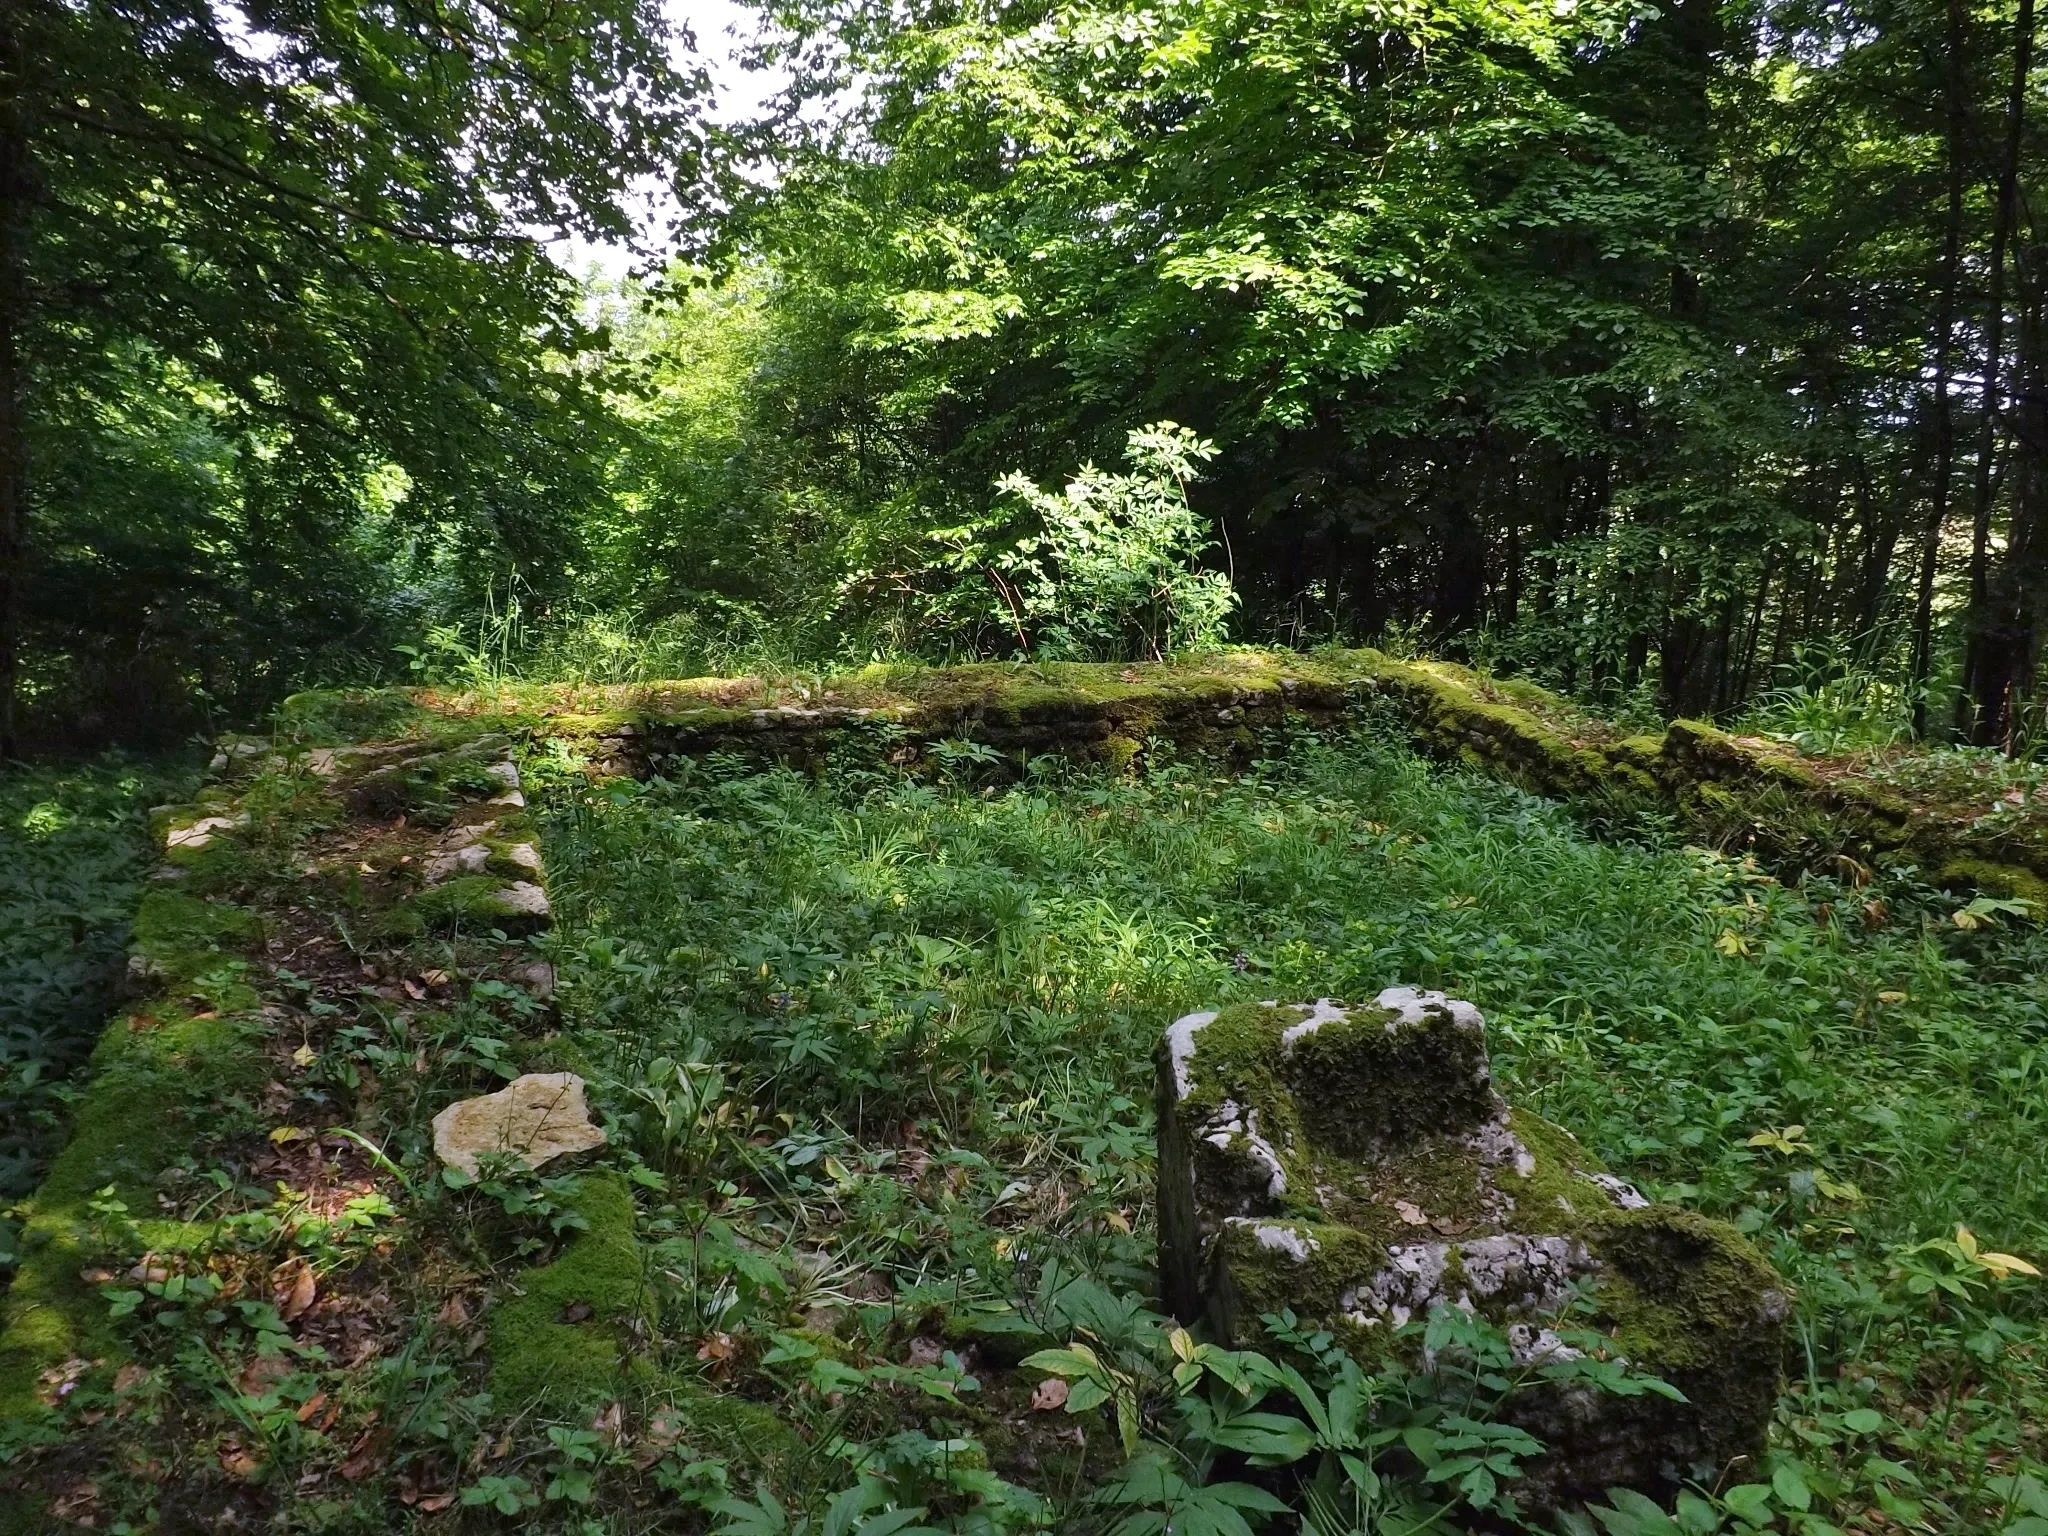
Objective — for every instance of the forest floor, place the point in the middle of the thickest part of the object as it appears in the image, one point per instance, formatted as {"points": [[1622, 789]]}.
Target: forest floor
{"points": [[874, 1049]]}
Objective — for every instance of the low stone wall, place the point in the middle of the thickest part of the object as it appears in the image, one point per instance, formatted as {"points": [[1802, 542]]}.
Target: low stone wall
{"points": [[1727, 791]]}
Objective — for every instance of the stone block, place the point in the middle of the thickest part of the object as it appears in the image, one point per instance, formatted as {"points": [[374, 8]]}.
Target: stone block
{"points": [[1353, 1163], [533, 1120]]}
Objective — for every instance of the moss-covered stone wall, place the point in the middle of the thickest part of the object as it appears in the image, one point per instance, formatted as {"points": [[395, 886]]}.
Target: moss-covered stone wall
{"points": [[1729, 791]]}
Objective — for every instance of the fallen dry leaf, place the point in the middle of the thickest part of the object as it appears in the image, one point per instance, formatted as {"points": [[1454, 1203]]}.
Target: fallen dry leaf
{"points": [[129, 1377], [607, 1422], [311, 1406], [577, 1312], [1412, 1214], [296, 1294], [60, 1379], [453, 1311], [414, 990], [78, 1504], [1051, 1394], [263, 1373], [663, 1431], [238, 1463], [368, 1454], [719, 1350]]}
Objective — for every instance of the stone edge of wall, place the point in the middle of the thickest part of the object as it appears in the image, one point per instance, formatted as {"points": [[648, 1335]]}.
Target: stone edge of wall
{"points": [[1728, 791]]}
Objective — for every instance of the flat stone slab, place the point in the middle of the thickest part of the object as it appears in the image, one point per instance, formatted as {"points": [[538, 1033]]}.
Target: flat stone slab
{"points": [[1353, 1163], [535, 1119]]}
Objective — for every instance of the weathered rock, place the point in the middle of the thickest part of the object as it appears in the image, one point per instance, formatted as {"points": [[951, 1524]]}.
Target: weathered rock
{"points": [[468, 858], [201, 832], [536, 1118], [1354, 1164], [522, 898]]}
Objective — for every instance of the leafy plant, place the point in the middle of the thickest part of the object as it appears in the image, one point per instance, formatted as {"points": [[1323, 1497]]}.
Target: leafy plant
{"points": [[1110, 568]]}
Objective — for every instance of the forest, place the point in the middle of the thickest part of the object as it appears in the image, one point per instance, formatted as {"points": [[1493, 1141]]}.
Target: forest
{"points": [[1669, 357], [1136, 767]]}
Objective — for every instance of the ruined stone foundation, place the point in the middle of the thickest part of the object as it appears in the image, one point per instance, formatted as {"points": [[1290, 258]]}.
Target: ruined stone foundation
{"points": [[1354, 1164]]}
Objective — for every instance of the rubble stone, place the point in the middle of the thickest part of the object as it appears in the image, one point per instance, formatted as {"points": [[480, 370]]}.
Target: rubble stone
{"points": [[536, 1118]]}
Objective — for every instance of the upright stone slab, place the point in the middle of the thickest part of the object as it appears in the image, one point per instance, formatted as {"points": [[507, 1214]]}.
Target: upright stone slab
{"points": [[1355, 1164]]}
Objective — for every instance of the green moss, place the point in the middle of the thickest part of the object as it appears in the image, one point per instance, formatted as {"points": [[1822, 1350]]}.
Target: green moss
{"points": [[219, 865], [1556, 1192], [1354, 1087], [2008, 880], [335, 716], [535, 1354], [157, 1089], [466, 900], [1690, 1299], [1306, 1265], [747, 1429], [553, 1053], [1363, 1086], [183, 936], [1120, 753]]}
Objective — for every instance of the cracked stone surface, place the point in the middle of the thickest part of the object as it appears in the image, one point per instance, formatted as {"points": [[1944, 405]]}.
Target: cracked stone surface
{"points": [[1354, 1164], [535, 1119]]}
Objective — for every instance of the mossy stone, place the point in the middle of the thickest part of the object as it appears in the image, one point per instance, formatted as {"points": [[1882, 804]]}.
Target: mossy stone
{"points": [[155, 1079], [2010, 881], [1353, 1164], [471, 901], [181, 936], [557, 1340]]}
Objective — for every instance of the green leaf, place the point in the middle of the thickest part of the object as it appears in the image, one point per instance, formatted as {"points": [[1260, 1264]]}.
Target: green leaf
{"points": [[1068, 1363], [1696, 1516], [895, 1522], [1790, 1486], [1749, 1501], [1087, 1393], [1270, 1439]]}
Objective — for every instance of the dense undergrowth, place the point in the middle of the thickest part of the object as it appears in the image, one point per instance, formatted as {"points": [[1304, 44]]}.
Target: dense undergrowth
{"points": [[874, 1048], [74, 850], [933, 1007]]}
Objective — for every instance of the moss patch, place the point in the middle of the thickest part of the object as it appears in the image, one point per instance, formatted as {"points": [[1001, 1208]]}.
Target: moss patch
{"points": [[182, 936], [537, 1353], [155, 1080], [2011, 881]]}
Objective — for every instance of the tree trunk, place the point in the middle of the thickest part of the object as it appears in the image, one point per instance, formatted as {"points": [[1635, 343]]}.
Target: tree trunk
{"points": [[1984, 674], [2010, 629], [1944, 364], [14, 195]]}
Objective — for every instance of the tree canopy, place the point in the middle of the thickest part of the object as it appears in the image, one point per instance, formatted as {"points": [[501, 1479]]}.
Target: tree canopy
{"points": [[1663, 351], [273, 314]]}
